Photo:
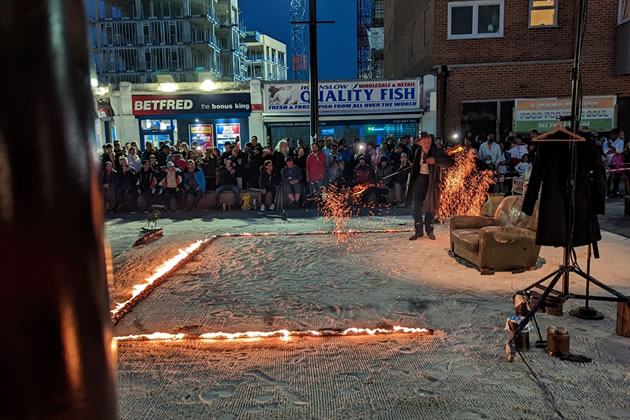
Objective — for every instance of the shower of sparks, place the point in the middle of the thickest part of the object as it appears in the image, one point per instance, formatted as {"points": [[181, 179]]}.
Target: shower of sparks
{"points": [[464, 188]]}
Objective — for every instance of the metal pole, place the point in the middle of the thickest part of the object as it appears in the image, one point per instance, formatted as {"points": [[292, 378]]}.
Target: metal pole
{"points": [[56, 358], [575, 117], [314, 78]]}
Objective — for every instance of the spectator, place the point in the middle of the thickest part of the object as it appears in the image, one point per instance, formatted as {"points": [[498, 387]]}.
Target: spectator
{"points": [[227, 154], [162, 156], [125, 191], [394, 157], [179, 162], [363, 173], [227, 181], [300, 161], [118, 152], [108, 155], [343, 153], [371, 151], [518, 150], [146, 185], [383, 172], [315, 170], [613, 149], [240, 161], [253, 170], [254, 142], [194, 183], [155, 168], [327, 151], [291, 181], [148, 151], [401, 180], [185, 152], [171, 187], [336, 174], [133, 159], [108, 183], [209, 166], [383, 179], [523, 165], [490, 153], [267, 185], [280, 154]]}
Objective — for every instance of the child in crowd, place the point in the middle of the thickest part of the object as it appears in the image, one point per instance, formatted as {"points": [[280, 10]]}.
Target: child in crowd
{"points": [[523, 165]]}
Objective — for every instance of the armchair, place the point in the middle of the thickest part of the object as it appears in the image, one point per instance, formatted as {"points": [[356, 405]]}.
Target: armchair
{"points": [[505, 242]]}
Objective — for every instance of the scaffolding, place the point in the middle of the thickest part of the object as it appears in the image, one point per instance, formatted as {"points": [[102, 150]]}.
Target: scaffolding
{"points": [[370, 33], [298, 40], [137, 40]]}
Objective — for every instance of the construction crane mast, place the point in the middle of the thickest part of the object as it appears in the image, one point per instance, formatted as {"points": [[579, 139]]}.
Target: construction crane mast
{"points": [[298, 40]]}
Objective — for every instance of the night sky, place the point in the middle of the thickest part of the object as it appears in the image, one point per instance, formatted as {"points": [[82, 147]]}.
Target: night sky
{"points": [[337, 42]]}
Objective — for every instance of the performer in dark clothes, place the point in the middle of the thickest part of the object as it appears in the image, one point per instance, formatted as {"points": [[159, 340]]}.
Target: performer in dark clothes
{"points": [[425, 174]]}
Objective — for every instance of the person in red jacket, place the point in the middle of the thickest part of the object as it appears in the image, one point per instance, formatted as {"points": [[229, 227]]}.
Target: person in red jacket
{"points": [[315, 170]]}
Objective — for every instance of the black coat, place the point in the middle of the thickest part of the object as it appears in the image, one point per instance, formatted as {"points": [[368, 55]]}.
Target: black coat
{"points": [[550, 176], [432, 200]]}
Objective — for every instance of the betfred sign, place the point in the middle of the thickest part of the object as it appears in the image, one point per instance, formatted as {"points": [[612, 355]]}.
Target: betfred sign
{"points": [[150, 105]]}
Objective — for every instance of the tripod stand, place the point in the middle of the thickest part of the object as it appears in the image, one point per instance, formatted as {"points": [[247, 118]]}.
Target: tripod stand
{"points": [[569, 263]]}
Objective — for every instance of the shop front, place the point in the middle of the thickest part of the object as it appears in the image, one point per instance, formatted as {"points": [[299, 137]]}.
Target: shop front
{"points": [[211, 120], [368, 110], [598, 113]]}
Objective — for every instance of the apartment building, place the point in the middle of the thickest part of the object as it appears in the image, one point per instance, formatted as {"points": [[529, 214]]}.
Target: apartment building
{"points": [[370, 38], [504, 65], [146, 41], [267, 57]]}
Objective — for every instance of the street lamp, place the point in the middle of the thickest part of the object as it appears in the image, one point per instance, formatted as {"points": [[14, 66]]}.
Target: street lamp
{"points": [[207, 85]]}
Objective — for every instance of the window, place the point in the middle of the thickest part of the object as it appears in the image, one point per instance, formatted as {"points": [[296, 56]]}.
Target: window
{"points": [[475, 19], [624, 11], [543, 13]]}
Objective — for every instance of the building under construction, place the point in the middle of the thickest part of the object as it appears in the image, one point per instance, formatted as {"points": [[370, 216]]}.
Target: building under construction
{"points": [[177, 40], [370, 34]]}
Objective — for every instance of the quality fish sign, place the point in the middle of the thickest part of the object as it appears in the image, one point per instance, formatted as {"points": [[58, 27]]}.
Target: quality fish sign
{"points": [[346, 96]]}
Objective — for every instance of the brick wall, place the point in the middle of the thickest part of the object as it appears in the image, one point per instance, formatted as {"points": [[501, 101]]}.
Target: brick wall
{"points": [[519, 44]]}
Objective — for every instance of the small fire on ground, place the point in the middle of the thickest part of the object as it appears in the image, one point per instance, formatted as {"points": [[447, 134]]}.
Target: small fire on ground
{"points": [[163, 269], [284, 335], [464, 188]]}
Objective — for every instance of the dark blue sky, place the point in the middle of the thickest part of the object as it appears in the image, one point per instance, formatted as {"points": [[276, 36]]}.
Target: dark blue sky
{"points": [[337, 42]]}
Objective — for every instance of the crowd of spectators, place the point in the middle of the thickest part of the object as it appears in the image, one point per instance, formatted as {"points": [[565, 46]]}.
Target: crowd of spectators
{"points": [[177, 176], [512, 157]]}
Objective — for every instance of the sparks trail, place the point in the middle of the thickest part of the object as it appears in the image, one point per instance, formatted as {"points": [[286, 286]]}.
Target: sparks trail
{"points": [[284, 335], [464, 188], [336, 206]]}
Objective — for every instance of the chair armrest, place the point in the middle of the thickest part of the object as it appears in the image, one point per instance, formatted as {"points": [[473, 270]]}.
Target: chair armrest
{"points": [[470, 222], [505, 235]]}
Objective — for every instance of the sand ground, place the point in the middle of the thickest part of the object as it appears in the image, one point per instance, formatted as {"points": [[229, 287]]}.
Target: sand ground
{"points": [[239, 284]]}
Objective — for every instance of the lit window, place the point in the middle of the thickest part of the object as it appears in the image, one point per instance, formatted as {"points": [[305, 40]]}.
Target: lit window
{"points": [[624, 11], [475, 19], [543, 13]]}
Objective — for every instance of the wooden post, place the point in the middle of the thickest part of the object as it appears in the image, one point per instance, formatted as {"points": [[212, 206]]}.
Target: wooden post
{"points": [[623, 319], [56, 359]]}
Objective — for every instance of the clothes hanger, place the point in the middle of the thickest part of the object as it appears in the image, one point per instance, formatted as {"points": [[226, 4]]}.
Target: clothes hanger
{"points": [[560, 128]]}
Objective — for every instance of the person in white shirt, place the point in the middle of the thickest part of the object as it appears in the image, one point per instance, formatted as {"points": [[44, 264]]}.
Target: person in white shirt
{"points": [[490, 152], [523, 165], [518, 150], [133, 159], [614, 145], [613, 149]]}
